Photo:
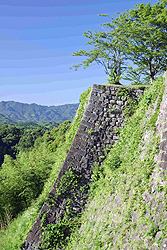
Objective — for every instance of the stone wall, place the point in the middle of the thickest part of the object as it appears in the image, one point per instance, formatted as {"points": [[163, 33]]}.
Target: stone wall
{"points": [[103, 115], [156, 198]]}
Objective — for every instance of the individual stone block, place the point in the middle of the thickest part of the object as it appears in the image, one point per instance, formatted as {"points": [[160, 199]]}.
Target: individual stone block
{"points": [[120, 103]]}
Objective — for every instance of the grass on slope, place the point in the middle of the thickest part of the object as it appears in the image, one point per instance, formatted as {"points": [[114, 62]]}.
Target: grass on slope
{"points": [[117, 216], [13, 237]]}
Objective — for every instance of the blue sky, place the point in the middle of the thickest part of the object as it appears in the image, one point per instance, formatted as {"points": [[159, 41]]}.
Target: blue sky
{"points": [[37, 39]]}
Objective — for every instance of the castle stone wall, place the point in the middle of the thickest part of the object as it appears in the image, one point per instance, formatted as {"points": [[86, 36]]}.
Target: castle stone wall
{"points": [[103, 115]]}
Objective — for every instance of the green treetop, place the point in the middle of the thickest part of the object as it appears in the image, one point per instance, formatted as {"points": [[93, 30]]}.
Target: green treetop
{"points": [[106, 52], [144, 32], [138, 35]]}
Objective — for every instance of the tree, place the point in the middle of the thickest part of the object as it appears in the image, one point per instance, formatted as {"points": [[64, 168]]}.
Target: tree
{"points": [[138, 35], [9, 137], [22, 179], [106, 52], [144, 32]]}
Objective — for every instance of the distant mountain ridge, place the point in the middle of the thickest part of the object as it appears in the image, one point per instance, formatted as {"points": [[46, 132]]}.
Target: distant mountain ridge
{"points": [[16, 111], [4, 120]]}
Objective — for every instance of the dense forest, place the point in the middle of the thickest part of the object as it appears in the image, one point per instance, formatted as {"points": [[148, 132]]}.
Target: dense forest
{"points": [[27, 157], [16, 138]]}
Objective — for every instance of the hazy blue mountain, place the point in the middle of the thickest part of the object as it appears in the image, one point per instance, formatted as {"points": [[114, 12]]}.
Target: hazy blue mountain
{"points": [[16, 111], [4, 120]]}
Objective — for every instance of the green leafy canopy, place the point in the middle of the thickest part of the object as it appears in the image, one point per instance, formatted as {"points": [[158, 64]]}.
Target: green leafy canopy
{"points": [[138, 37]]}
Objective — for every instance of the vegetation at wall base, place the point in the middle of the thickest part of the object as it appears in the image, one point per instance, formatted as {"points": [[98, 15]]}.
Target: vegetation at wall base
{"points": [[13, 233], [57, 235]]}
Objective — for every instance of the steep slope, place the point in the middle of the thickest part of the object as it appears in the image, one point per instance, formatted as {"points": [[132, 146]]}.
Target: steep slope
{"points": [[122, 197], [103, 115], [128, 205], [37, 113]]}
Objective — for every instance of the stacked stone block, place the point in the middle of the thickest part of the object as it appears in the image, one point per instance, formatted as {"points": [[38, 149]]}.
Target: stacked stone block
{"points": [[103, 115]]}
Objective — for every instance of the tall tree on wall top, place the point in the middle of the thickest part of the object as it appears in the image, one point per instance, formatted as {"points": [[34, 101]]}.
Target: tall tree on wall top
{"points": [[137, 36], [106, 52], [144, 32]]}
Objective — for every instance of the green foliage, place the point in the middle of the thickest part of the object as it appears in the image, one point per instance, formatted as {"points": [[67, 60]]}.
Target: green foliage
{"points": [[9, 138], [15, 138], [77, 119], [116, 196], [56, 236], [57, 136], [143, 31], [137, 36], [13, 237], [136, 75], [70, 185], [131, 103], [40, 125], [98, 174], [106, 52], [123, 92], [48, 125], [28, 138], [130, 107], [10, 135], [90, 131], [22, 179]]}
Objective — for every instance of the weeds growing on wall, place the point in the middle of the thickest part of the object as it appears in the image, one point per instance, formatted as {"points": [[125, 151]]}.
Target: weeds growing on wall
{"points": [[131, 102], [55, 236], [117, 213]]}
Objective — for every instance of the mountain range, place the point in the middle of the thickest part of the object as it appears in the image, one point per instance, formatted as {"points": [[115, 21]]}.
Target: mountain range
{"points": [[4, 120], [12, 112]]}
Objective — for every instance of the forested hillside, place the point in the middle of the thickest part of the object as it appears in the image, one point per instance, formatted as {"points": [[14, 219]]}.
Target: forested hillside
{"points": [[26, 165], [16, 112], [4, 120], [27, 180]]}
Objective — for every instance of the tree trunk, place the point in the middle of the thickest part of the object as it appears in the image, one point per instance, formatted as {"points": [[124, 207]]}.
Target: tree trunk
{"points": [[151, 73]]}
